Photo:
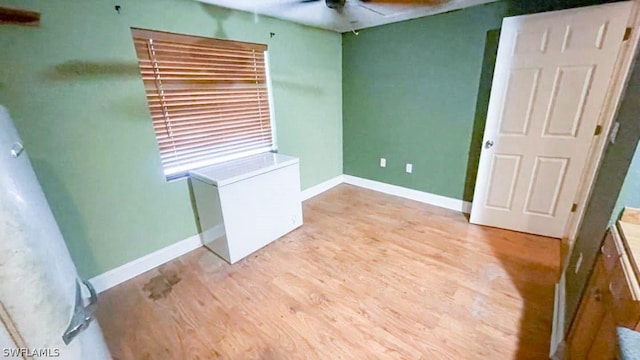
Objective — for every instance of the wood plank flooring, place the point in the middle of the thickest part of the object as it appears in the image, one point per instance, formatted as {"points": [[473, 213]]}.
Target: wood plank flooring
{"points": [[368, 276]]}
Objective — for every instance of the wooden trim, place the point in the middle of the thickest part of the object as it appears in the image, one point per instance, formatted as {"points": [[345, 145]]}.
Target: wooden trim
{"points": [[12, 329], [19, 17], [196, 40], [630, 215]]}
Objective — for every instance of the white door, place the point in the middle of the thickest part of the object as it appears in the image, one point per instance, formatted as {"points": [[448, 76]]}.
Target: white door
{"points": [[38, 288], [549, 86]]}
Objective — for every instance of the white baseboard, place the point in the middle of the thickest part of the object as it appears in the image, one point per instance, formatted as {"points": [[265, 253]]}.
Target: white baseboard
{"points": [[322, 187], [556, 350], [136, 267], [421, 196]]}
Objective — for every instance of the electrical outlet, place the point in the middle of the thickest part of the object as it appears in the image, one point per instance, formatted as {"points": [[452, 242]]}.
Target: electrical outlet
{"points": [[383, 162], [409, 168], [578, 263]]}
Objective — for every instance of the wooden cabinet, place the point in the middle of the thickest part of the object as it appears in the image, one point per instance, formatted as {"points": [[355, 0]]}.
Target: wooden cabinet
{"points": [[604, 343], [590, 315], [611, 299]]}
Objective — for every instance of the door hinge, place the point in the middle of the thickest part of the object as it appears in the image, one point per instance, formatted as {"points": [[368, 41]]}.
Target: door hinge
{"points": [[574, 207], [627, 34], [598, 130]]}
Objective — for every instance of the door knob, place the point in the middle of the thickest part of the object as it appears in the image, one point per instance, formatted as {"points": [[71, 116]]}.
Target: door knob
{"points": [[488, 144]]}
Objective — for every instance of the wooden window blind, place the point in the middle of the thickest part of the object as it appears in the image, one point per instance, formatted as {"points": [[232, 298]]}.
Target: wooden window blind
{"points": [[208, 98]]}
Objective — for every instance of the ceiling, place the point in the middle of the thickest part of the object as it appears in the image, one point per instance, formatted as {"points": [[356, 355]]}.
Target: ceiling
{"points": [[356, 14]]}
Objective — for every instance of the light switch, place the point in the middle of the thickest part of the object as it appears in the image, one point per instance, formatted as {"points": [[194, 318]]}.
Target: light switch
{"points": [[409, 168], [383, 162]]}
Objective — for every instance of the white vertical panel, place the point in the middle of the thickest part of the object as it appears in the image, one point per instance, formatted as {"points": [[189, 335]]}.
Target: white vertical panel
{"points": [[520, 96], [504, 174], [37, 276]]}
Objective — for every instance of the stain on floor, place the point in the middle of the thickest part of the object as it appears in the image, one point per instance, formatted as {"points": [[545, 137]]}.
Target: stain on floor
{"points": [[160, 286]]}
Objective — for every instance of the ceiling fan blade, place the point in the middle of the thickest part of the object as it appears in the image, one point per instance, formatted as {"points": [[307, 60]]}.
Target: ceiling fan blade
{"points": [[284, 5], [386, 7], [406, 2]]}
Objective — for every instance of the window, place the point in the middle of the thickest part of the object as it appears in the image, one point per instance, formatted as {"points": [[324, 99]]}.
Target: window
{"points": [[208, 98]]}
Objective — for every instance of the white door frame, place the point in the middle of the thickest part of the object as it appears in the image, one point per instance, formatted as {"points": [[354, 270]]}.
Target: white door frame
{"points": [[621, 75]]}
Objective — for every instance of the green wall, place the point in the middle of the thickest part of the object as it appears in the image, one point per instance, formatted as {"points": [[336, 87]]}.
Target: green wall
{"points": [[413, 92], [73, 88], [418, 92], [630, 193]]}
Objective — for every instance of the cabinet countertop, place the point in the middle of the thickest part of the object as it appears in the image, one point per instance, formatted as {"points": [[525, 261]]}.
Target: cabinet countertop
{"points": [[629, 228]]}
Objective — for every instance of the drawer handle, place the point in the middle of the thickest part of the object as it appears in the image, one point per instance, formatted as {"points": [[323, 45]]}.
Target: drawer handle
{"points": [[613, 293], [605, 253], [597, 294]]}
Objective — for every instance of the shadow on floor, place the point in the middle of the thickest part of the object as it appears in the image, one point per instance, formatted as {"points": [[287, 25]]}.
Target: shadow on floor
{"points": [[534, 274], [534, 280]]}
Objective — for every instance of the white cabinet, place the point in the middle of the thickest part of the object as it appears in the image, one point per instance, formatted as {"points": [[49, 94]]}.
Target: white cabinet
{"points": [[247, 203]]}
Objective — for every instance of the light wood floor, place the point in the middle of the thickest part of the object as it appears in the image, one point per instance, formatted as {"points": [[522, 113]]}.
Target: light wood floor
{"points": [[368, 276]]}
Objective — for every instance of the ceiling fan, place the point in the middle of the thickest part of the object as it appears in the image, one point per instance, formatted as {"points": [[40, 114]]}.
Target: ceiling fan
{"points": [[343, 15], [339, 4], [335, 4]]}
